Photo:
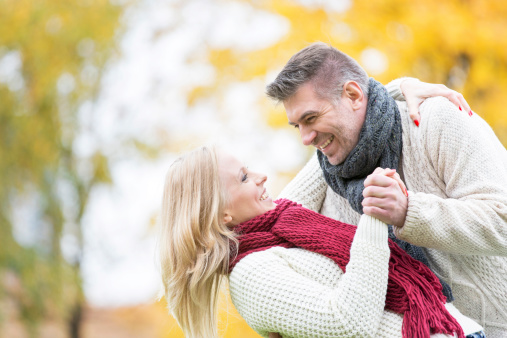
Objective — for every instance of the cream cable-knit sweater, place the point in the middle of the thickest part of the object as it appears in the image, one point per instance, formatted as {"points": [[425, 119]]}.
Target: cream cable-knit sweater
{"points": [[455, 169], [299, 293]]}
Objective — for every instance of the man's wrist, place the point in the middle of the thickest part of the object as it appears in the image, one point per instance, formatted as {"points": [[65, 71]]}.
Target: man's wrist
{"points": [[398, 231]]}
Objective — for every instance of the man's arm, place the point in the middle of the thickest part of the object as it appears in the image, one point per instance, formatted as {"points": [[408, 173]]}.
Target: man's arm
{"points": [[467, 161]]}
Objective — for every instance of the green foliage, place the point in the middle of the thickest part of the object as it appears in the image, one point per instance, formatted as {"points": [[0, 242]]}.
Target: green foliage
{"points": [[58, 50]]}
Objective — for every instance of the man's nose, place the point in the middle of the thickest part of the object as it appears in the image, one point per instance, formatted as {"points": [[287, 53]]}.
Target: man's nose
{"points": [[307, 135]]}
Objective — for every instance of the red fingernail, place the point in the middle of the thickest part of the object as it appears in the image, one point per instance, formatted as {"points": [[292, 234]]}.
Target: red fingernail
{"points": [[471, 113], [460, 108], [416, 122], [406, 192]]}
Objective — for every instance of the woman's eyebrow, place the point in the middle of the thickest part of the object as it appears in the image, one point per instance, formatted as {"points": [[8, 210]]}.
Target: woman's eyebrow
{"points": [[240, 173]]}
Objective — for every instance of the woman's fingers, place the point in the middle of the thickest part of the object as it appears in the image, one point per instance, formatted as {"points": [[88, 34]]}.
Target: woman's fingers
{"points": [[416, 92], [457, 99]]}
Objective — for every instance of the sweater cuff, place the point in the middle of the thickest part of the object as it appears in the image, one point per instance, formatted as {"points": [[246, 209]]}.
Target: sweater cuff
{"points": [[394, 88], [411, 220], [371, 230]]}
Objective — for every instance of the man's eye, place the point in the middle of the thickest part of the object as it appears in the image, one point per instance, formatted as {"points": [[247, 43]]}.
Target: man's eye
{"points": [[244, 178], [296, 126], [311, 119]]}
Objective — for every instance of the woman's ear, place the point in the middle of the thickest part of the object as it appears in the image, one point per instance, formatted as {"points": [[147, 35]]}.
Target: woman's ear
{"points": [[227, 218]]}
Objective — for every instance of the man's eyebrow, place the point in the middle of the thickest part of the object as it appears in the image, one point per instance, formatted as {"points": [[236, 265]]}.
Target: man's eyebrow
{"points": [[303, 117]]}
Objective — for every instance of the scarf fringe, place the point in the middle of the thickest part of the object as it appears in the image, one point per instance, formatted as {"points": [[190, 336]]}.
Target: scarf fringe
{"points": [[412, 290]]}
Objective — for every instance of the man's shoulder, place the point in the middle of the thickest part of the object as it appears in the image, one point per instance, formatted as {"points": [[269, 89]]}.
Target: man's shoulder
{"points": [[440, 110], [437, 114]]}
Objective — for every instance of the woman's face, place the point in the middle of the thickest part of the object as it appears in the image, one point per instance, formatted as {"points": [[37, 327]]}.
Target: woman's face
{"points": [[245, 189]]}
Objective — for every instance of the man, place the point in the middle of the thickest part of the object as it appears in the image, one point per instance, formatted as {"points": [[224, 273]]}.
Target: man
{"points": [[453, 165]]}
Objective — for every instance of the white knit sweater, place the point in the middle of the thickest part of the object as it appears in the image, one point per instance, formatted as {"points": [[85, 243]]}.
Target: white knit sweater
{"points": [[455, 169], [298, 293]]}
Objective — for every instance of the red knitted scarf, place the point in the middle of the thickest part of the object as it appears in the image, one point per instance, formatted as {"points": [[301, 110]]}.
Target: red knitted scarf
{"points": [[412, 290]]}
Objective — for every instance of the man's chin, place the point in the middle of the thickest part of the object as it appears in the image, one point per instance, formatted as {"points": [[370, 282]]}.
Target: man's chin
{"points": [[334, 160]]}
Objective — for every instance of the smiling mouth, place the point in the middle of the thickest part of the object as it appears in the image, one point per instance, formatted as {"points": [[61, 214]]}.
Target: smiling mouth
{"points": [[264, 196], [325, 144]]}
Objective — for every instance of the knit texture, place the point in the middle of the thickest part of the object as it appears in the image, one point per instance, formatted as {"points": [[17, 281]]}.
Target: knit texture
{"points": [[412, 288], [303, 294], [456, 171], [379, 145]]}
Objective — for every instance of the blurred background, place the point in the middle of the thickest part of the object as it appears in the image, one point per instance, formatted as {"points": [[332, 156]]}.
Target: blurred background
{"points": [[98, 97]]}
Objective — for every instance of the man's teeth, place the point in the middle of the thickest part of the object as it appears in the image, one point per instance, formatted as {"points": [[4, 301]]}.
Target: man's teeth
{"points": [[264, 196], [326, 143]]}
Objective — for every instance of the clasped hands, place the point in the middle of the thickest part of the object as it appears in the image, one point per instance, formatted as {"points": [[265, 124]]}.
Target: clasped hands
{"points": [[385, 194], [386, 197]]}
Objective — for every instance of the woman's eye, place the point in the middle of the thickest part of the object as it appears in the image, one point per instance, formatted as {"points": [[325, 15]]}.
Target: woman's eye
{"points": [[244, 178]]}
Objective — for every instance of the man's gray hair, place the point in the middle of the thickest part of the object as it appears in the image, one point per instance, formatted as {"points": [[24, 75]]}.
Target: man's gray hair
{"points": [[325, 66]]}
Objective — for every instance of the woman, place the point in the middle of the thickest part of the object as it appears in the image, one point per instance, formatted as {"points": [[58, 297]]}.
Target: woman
{"points": [[284, 278]]}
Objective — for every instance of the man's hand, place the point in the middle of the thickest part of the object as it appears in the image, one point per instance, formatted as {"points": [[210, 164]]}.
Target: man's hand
{"points": [[385, 197], [416, 92]]}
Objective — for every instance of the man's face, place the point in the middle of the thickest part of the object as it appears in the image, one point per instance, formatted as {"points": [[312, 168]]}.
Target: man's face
{"points": [[332, 128]]}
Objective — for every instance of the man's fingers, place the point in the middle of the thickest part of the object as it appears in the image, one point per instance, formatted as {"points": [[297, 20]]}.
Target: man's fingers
{"points": [[378, 213], [383, 171], [379, 180], [378, 202], [398, 179], [380, 171]]}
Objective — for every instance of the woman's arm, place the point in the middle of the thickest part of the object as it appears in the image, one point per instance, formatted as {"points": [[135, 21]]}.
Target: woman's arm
{"points": [[276, 291], [415, 92]]}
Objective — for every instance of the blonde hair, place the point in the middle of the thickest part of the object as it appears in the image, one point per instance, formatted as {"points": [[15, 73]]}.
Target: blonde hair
{"points": [[194, 241]]}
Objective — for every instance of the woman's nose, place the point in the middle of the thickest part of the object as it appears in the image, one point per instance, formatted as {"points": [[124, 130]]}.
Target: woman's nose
{"points": [[260, 178]]}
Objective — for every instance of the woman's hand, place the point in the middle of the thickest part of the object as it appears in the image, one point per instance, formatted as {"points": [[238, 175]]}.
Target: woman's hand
{"points": [[416, 92]]}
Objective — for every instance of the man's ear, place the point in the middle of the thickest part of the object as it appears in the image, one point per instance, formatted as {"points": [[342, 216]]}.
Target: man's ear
{"points": [[353, 92]]}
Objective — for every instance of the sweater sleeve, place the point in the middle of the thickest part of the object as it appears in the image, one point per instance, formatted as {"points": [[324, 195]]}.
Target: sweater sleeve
{"points": [[469, 164], [308, 188], [273, 293], [394, 88]]}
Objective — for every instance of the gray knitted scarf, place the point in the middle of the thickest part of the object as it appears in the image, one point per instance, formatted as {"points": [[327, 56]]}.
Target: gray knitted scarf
{"points": [[379, 145]]}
